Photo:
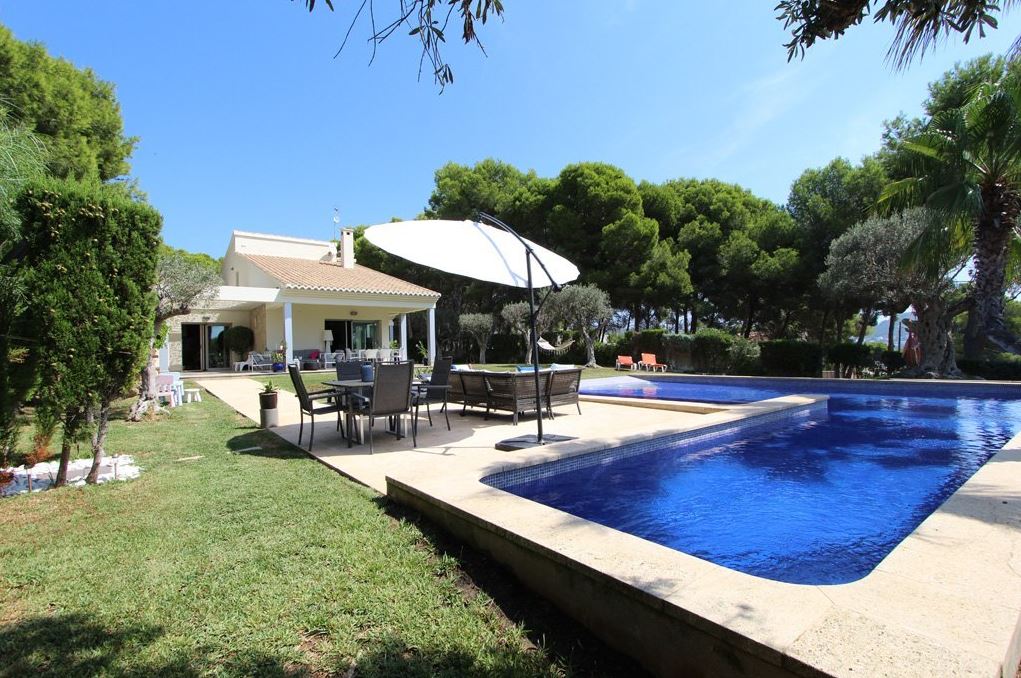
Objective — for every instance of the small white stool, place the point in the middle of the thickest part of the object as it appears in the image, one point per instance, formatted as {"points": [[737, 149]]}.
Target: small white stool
{"points": [[192, 395]]}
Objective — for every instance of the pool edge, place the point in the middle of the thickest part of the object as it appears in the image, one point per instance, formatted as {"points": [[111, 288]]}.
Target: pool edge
{"points": [[685, 622]]}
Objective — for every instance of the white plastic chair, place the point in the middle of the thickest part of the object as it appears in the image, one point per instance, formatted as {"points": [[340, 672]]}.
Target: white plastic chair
{"points": [[165, 389], [371, 354]]}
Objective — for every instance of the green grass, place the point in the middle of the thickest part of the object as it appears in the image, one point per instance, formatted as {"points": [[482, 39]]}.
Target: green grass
{"points": [[314, 379], [256, 562]]}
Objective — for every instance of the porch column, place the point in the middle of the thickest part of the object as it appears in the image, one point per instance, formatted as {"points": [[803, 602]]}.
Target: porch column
{"points": [[288, 332], [432, 335], [404, 336]]}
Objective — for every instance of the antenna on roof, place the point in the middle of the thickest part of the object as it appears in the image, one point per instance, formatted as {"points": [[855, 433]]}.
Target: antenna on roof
{"points": [[336, 222]]}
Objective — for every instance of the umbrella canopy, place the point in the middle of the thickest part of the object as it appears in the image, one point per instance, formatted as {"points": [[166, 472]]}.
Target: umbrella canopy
{"points": [[471, 249]]}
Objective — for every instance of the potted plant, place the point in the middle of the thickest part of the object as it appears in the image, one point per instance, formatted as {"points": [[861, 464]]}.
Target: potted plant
{"points": [[278, 361], [268, 397]]}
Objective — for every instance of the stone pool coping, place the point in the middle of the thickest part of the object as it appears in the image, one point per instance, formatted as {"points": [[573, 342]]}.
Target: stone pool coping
{"points": [[946, 601]]}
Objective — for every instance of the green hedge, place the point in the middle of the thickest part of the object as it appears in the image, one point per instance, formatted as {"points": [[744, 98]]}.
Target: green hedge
{"points": [[850, 356], [786, 358], [892, 361], [710, 350], [1005, 367]]}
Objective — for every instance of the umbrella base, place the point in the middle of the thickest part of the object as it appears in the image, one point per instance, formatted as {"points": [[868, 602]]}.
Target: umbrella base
{"points": [[526, 441]]}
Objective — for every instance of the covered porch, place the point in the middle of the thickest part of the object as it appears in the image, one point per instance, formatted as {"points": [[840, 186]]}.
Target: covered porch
{"points": [[295, 322]]}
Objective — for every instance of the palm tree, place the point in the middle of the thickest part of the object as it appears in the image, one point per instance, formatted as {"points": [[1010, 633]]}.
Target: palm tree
{"points": [[967, 171]]}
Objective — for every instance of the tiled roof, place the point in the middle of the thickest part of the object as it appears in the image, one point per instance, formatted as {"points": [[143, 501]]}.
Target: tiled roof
{"points": [[306, 274]]}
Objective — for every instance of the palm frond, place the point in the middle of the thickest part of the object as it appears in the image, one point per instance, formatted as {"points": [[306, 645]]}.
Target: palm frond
{"points": [[942, 244]]}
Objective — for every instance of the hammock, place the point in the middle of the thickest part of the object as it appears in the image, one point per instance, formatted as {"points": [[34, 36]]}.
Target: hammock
{"points": [[550, 348]]}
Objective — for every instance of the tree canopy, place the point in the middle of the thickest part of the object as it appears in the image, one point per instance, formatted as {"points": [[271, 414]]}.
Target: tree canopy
{"points": [[919, 24], [72, 111]]}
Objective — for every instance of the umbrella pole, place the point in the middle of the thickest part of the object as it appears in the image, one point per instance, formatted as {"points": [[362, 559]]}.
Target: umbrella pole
{"points": [[534, 338], [524, 442]]}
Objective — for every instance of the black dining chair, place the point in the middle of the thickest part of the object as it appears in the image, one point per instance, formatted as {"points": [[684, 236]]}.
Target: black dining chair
{"points": [[307, 404], [435, 391], [390, 398], [349, 370]]}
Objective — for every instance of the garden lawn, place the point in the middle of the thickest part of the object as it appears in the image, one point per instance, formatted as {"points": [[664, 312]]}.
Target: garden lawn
{"points": [[246, 561]]}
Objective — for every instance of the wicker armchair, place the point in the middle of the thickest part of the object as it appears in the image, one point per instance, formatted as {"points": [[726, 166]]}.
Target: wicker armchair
{"points": [[514, 392], [563, 388]]}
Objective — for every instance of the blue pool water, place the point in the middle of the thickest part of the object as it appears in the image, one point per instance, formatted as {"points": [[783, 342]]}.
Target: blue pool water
{"points": [[817, 499]]}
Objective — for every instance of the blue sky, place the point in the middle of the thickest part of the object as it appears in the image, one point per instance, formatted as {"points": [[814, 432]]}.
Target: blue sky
{"points": [[246, 121]]}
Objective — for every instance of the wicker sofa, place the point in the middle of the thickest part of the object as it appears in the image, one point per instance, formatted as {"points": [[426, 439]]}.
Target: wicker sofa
{"points": [[514, 392]]}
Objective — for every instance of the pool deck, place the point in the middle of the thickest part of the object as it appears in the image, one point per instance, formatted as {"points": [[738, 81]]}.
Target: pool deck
{"points": [[945, 602]]}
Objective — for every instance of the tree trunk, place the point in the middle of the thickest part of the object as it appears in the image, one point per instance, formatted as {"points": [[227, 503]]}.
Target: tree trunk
{"points": [[822, 325], [590, 348], [483, 342], [933, 331], [746, 331], [70, 431], [866, 315], [890, 333], [147, 401], [992, 235], [684, 318], [99, 442]]}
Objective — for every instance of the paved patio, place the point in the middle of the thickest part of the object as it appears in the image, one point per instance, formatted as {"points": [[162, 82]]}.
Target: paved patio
{"points": [[468, 446]]}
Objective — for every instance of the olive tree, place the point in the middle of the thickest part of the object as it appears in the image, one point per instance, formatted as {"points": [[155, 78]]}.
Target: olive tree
{"points": [[183, 281], [583, 308], [480, 326]]}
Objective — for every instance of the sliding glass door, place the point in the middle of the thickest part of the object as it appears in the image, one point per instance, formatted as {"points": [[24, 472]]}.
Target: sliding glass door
{"points": [[202, 346]]}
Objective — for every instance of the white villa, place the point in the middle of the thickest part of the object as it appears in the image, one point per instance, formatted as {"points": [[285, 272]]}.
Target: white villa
{"points": [[297, 293]]}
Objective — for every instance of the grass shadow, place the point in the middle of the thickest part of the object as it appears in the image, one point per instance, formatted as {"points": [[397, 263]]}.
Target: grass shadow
{"points": [[258, 442], [68, 644], [545, 624], [76, 645]]}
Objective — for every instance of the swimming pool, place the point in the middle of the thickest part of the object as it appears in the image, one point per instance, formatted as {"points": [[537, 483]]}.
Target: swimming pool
{"points": [[816, 499]]}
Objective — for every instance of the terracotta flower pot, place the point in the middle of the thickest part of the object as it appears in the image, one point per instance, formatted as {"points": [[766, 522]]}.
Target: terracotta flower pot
{"points": [[268, 400]]}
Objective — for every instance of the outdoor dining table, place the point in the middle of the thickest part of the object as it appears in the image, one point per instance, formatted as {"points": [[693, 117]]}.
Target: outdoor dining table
{"points": [[346, 386]]}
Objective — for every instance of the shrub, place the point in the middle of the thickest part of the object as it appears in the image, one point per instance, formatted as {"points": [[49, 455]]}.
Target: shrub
{"points": [[648, 341], [743, 357], [710, 350], [607, 352], [786, 358], [850, 356], [892, 361], [238, 339], [1005, 366]]}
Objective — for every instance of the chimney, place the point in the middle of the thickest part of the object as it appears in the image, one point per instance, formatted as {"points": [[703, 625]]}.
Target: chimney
{"points": [[347, 247]]}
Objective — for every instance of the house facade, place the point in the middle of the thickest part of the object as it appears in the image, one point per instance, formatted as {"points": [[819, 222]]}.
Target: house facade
{"points": [[297, 294]]}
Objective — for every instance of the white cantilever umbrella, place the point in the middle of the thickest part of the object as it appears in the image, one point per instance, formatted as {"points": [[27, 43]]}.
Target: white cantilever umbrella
{"points": [[472, 249], [494, 253]]}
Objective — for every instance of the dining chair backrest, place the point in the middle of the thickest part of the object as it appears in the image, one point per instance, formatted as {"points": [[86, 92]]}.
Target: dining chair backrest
{"points": [[348, 370], [391, 390], [299, 386], [441, 371], [370, 353]]}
